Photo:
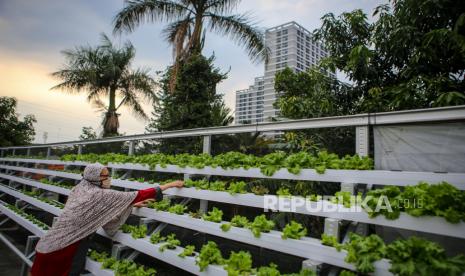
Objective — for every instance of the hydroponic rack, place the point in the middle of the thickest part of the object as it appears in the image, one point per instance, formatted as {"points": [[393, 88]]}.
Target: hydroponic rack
{"points": [[307, 248]]}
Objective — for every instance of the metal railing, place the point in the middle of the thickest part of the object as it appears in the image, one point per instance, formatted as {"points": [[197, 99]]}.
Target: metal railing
{"points": [[360, 121]]}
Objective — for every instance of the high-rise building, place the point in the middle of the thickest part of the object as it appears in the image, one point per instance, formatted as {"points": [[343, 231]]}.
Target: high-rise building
{"points": [[250, 103], [291, 45]]}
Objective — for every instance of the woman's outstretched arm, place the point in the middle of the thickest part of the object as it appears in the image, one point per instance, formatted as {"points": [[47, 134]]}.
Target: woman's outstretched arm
{"points": [[155, 193]]}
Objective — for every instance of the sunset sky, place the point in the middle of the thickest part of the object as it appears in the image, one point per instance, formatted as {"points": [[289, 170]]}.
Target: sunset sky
{"points": [[33, 32]]}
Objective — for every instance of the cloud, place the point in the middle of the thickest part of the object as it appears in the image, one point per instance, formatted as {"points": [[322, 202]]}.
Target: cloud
{"points": [[32, 34], [59, 114]]}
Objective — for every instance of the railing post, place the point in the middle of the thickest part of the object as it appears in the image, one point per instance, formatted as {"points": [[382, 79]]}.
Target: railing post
{"points": [[28, 151], [131, 148], [28, 250], [2, 152], [312, 265], [207, 143], [49, 152], [332, 227], [79, 149], [348, 187], [117, 249], [14, 152], [362, 140], [362, 148]]}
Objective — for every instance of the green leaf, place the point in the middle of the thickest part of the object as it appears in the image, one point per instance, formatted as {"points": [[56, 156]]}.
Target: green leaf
{"points": [[294, 230], [225, 227], [261, 224], [178, 209], [187, 252], [209, 254], [215, 215], [239, 263]]}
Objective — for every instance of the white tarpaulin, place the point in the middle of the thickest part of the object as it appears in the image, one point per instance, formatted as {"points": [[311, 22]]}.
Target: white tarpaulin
{"points": [[428, 147]]}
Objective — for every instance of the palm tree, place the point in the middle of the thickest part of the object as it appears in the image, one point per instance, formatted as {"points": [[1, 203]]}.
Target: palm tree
{"points": [[221, 114], [188, 21], [105, 71]]}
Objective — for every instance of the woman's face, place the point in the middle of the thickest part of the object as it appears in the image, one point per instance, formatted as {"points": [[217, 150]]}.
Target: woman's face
{"points": [[104, 174], [105, 178]]}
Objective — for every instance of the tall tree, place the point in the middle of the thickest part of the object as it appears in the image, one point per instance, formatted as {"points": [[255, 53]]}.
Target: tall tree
{"points": [[105, 71], [188, 22], [88, 133], [412, 56], [313, 94], [193, 104], [13, 131]]}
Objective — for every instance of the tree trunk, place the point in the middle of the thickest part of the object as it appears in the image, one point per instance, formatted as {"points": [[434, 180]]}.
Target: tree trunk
{"points": [[111, 122], [193, 47], [196, 35]]}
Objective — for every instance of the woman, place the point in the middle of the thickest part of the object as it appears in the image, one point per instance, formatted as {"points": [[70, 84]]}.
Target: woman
{"points": [[90, 205]]}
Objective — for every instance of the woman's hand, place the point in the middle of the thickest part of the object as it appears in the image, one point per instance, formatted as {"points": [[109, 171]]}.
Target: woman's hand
{"points": [[174, 184], [143, 203]]}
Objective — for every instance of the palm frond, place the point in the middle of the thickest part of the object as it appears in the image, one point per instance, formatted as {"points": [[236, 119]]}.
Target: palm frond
{"points": [[221, 114], [74, 81], [138, 11], [98, 70], [106, 41], [132, 102], [94, 95], [221, 6], [177, 33], [243, 31], [98, 104], [138, 82]]}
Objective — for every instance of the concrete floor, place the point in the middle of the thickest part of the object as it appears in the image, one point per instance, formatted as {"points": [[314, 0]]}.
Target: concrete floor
{"points": [[10, 263]]}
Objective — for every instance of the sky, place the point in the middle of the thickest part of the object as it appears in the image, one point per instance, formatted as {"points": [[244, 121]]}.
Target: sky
{"points": [[34, 32]]}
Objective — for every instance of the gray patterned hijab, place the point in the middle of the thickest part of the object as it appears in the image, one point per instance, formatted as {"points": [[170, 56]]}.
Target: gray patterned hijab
{"points": [[88, 208]]}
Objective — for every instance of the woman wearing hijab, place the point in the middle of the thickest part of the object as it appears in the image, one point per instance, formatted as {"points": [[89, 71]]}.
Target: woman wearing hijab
{"points": [[90, 205]]}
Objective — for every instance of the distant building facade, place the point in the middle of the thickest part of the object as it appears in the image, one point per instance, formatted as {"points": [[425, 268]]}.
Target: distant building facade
{"points": [[291, 45]]}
